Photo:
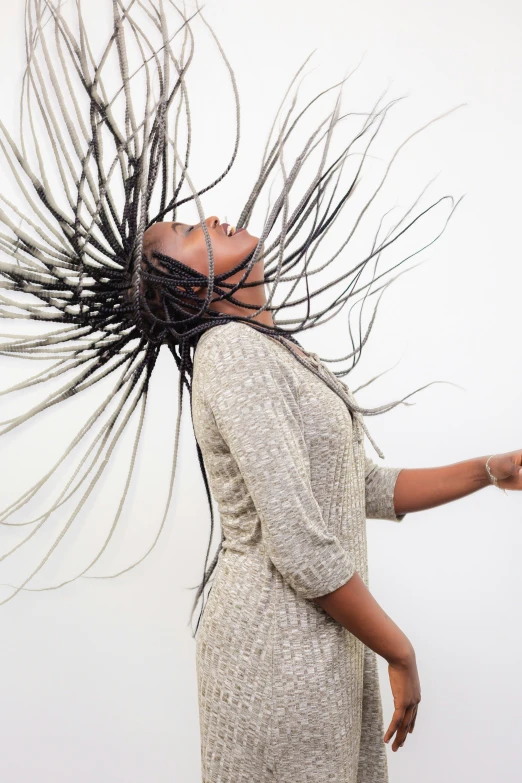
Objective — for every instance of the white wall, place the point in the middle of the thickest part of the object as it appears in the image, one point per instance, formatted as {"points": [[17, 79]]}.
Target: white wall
{"points": [[98, 677]]}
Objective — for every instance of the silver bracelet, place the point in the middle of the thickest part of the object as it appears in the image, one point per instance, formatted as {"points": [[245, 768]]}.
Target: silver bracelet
{"points": [[492, 478]]}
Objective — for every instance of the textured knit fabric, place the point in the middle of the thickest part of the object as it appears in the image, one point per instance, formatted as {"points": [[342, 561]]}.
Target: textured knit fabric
{"points": [[286, 693]]}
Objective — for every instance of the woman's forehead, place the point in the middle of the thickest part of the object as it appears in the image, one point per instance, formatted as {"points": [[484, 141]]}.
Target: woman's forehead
{"points": [[161, 230]]}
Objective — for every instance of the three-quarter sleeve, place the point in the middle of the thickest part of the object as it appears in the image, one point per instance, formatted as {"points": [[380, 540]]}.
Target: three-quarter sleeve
{"points": [[379, 491], [253, 397]]}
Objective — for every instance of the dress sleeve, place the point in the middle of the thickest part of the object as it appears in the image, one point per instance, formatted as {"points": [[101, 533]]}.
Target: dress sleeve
{"points": [[253, 398], [379, 490]]}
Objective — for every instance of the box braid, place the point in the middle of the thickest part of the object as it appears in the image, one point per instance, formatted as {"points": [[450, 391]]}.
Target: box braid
{"points": [[75, 260]]}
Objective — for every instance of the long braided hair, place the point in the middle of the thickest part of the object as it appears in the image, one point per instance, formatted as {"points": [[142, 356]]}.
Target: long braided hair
{"points": [[73, 256]]}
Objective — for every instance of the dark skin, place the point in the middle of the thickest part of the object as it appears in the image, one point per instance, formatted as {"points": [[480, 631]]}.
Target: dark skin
{"points": [[416, 489]]}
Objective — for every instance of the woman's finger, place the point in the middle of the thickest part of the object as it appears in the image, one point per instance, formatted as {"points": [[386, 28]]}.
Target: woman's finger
{"points": [[400, 719], [396, 721], [412, 724], [403, 729]]}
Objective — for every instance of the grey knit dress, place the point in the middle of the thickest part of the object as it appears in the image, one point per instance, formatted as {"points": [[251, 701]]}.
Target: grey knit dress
{"points": [[286, 694]]}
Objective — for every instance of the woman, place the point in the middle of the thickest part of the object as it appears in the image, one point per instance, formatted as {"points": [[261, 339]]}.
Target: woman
{"points": [[286, 652], [288, 686]]}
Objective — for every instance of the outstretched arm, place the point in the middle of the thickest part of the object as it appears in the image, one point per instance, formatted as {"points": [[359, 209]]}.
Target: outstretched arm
{"points": [[417, 489]]}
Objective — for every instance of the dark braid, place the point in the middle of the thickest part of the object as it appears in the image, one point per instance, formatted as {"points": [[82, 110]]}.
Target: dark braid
{"points": [[80, 262]]}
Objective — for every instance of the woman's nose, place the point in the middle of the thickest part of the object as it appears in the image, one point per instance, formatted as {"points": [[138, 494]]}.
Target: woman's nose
{"points": [[212, 221]]}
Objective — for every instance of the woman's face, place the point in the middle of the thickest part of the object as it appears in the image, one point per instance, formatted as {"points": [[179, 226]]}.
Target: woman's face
{"points": [[186, 243]]}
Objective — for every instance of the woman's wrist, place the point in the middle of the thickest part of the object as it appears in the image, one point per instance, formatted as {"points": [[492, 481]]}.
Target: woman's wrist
{"points": [[481, 476]]}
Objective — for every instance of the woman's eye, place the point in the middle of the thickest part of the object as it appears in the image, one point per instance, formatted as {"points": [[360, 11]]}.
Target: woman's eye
{"points": [[191, 228]]}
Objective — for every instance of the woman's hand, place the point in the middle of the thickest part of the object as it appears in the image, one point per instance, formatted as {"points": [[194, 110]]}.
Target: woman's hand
{"points": [[507, 469], [405, 685]]}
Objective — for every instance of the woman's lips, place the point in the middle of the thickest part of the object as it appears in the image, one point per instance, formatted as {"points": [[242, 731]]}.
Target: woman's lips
{"points": [[226, 226]]}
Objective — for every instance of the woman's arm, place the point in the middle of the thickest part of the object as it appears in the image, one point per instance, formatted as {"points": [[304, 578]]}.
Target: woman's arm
{"points": [[417, 489], [355, 608]]}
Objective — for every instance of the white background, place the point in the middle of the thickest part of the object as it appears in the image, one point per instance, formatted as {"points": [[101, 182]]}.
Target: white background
{"points": [[98, 677]]}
